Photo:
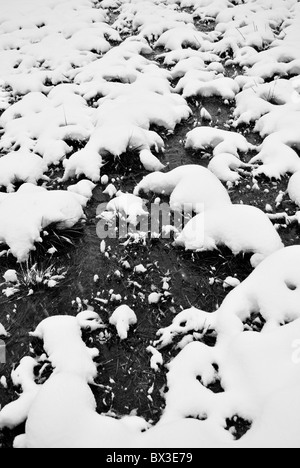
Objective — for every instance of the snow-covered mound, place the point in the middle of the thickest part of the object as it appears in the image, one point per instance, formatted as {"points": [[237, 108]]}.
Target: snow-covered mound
{"points": [[191, 188], [220, 141], [241, 228], [42, 123], [199, 84], [278, 158], [122, 318], [294, 188], [228, 168], [31, 209], [21, 166], [128, 206]]}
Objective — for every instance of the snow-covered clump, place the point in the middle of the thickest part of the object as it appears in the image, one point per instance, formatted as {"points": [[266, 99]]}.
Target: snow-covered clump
{"points": [[220, 141], [241, 228], [157, 359], [63, 344], [294, 188], [122, 318], [16, 412], [150, 19], [42, 124], [128, 206], [231, 282], [21, 166], [228, 168], [84, 162], [84, 188], [180, 36], [197, 84], [11, 276], [31, 209], [111, 191], [191, 188], [154, 298], [278, 159], [3, 332], [254, 102]]}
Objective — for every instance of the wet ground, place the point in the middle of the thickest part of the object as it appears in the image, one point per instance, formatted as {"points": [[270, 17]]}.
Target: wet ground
{"points": [[125, 375]]}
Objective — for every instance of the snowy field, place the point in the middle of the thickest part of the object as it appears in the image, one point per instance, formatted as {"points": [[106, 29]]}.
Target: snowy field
{"points": [[149, 223]]}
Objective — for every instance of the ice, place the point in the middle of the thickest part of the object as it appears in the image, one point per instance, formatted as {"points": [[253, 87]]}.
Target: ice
{"points": [[122, 318]]}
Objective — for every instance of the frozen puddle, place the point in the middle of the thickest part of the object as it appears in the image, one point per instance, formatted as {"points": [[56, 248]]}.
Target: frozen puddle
{"points": [[183, 332]]}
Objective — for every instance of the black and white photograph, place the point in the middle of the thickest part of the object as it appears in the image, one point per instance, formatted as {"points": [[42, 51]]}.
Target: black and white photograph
{"points": [[149, 226]]}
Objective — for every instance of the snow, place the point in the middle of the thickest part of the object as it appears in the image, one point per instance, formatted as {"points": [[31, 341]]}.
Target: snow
{"points": [[294, 188], [11, 276], [220, 141], [241, 228], [122, 318], [63, 344], [140, 269], [31, 209], [228, 168], [198, 84], [84, 188], [154, 298], [84, 162], [156, 359], [191, 188], [231, 282], [104, 180], [16, 412], [110, 190], [21, 166], [3, 332], [129, 206]]}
